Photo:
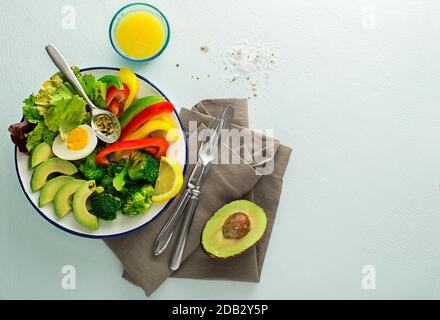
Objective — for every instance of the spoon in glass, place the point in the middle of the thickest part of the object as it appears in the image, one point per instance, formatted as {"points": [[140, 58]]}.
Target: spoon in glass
{"points": [[105, 124]]}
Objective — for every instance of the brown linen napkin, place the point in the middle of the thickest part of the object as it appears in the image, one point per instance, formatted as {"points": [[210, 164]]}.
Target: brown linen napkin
{"points": [[224, 183]]}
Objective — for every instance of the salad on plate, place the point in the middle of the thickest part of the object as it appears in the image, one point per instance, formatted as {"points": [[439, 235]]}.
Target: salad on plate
{"points": [[75, 172]]}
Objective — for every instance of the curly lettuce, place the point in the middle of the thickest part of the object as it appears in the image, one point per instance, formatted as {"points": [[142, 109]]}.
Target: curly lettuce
{"points": [[66, 114], [95, 90], [48, 88], [57, 107], [40, 133], [30, 111], [74, 115]]}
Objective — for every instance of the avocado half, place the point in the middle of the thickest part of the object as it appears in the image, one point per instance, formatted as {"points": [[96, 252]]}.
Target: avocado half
{"points": [[233, 229]]}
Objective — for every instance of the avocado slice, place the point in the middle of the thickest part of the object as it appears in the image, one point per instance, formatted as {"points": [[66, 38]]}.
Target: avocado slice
{"points": [[79, 203], [62, 201], [40, 153], [233, 229], [50, 188], [52, 165]]}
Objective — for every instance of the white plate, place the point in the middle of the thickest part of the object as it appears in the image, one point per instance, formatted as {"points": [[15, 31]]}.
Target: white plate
{"points": [[123, 224]]}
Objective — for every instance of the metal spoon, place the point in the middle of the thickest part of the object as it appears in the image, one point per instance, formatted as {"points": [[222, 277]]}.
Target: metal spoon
{"points": [[100, 118]]}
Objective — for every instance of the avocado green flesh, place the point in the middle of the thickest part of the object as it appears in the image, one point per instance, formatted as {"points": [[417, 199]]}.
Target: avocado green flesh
{"points": [[52, 165], [62, 201], [217, 246], [50, 188], [40, 153], [82, 215]]}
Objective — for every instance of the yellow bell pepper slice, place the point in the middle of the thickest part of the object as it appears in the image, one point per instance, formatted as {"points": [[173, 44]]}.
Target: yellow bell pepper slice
{"points": [[165, 118], [148, 128], [170, 136], [131, 80]]}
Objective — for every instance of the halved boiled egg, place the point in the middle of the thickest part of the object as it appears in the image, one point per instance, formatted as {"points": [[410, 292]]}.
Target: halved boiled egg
{"points": [[80, 142]]}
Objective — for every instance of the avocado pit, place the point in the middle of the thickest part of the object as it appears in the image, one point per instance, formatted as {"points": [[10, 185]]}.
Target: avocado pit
{"points": [[233, 229], [236, 226]]}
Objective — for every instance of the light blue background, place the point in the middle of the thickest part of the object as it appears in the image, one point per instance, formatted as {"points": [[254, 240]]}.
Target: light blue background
{"points": [[359, 106]]}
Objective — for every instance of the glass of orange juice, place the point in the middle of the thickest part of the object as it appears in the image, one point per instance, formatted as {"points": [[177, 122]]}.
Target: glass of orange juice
{"points": [[139, 32]]}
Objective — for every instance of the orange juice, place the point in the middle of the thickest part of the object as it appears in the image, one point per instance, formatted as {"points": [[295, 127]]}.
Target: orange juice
{"points": [[140, 34]]}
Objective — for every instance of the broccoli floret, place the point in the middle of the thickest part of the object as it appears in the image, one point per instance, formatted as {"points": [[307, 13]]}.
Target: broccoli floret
{"points": [[107, 184], [119, 172], [114, 177], [143, 166], [90, 169], [120, 180], [114, 168], [138, 200], [105, 206]]}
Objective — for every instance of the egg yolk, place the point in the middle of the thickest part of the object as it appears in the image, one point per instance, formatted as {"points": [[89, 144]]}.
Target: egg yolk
{"points": [[78, 139]]}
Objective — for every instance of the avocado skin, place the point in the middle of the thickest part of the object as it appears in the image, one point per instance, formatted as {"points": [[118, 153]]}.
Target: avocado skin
{"points": [[82, 215], [50, 188], [248, 207], [63, 197], [40, 153], [52, 165]]}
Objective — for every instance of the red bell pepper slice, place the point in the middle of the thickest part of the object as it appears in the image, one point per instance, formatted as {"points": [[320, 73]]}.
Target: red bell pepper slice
{"points": [[145, 115], [115, 99], [152, 150], [116, 107], [159, 143]]}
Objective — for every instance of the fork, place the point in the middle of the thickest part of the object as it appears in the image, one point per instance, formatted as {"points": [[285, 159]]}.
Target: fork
{"points": [[207, 154], [166, 233]]}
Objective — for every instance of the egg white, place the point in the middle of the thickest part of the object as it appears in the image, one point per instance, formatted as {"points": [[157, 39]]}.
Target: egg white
{"points": [[60, 149]]}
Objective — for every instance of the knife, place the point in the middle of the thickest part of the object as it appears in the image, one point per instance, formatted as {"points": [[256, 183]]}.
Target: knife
{"points": [[167, 231], [195, 184]]}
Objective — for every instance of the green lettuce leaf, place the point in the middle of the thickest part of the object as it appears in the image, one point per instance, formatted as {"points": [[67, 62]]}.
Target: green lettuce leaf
{"points": [[40, 133], [95, 90], [63, 92], [73, 115], [48, 88], [30, 111], [76, 72], [65, 114], [57, 108]]}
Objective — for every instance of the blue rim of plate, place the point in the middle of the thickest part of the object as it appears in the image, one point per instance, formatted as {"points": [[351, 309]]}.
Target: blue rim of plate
{"points": [[84, 235], [164, 46]]}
